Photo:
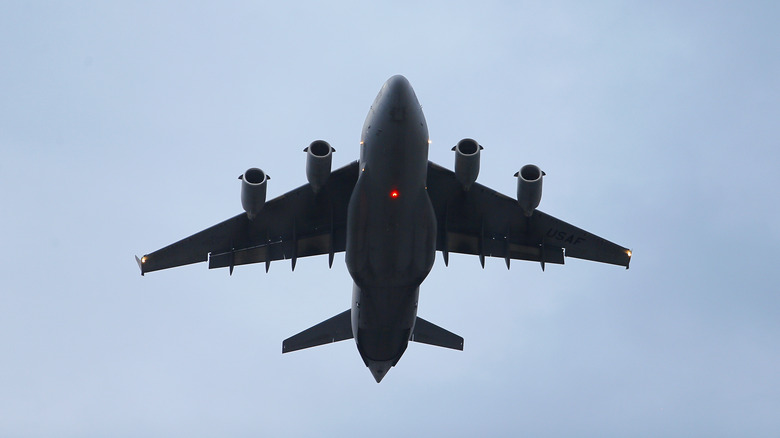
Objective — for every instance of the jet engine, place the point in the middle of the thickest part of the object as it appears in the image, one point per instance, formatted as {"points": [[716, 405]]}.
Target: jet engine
{"points": [[467, 162], [319, 156], [253, 188], [529, 188]]}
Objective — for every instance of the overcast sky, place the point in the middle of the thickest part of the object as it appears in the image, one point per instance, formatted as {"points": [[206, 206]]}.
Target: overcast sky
{"points": [[123, 127]]}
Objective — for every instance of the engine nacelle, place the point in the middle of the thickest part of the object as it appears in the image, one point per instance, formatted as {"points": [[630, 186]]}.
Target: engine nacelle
{"points": [[529, 188], [319, 157], [467, 162], [253, 188]]}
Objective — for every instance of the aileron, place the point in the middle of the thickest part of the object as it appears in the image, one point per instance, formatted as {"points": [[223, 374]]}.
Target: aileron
{"points": [[299, 223], [483, 222]]}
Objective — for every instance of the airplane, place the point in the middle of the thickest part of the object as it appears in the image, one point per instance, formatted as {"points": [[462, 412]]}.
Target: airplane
{"points": [[390, 212]]}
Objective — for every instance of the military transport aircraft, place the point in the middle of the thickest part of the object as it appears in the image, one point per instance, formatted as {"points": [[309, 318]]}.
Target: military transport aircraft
{"points": [[390, 211]]}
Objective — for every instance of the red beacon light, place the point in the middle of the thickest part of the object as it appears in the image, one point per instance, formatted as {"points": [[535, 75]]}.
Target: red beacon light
{"points": [[394, 194]]}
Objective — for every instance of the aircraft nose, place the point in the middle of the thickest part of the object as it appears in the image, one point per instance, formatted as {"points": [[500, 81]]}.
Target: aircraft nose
{"points": [[398, 93], [397, 83]]}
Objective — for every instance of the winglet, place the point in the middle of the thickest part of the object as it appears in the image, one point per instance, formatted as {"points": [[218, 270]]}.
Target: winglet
{"points": [[140, 265]]}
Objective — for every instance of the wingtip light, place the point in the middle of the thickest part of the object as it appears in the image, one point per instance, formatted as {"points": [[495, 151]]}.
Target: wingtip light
{"points": [[140, 262]]}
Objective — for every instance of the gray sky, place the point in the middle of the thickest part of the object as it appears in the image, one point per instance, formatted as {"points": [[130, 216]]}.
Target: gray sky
{"points": [[123, 127]]}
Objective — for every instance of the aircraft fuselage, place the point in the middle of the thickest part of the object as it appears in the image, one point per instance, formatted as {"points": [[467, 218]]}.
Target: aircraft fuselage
{"points": [[391, 226]]}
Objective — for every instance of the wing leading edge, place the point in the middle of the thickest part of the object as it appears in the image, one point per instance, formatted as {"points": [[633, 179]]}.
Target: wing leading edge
{"points": [[483, 222], [299, 223]]}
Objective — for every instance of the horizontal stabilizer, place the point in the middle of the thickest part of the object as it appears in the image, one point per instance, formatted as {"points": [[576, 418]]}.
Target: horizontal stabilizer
{"points": [[427, 333], [334, 329]]}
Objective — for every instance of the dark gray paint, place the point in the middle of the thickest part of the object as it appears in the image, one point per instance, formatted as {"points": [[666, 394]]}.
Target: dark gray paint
{"points": [[390, 211]]}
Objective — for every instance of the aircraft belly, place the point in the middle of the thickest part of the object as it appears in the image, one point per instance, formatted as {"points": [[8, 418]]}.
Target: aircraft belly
{"points": [[382, 321], [391, 227], [390, 250], [390, 242]]}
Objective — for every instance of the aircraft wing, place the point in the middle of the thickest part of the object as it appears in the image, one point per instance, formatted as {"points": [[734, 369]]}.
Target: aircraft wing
{"points": [[484, 222], [299, 223]]}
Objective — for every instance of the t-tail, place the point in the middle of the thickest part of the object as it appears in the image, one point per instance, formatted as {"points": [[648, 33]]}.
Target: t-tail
{"points": [[339, 328]]}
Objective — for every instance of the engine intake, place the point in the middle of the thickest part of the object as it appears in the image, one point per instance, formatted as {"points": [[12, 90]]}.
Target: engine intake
{"points": [[319, 158], [467, 162], [529, 188], [253, 188]]}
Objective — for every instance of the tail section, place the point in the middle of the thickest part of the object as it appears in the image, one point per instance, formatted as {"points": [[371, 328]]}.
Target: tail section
{"points": [[335, 329], [427, 333]]}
